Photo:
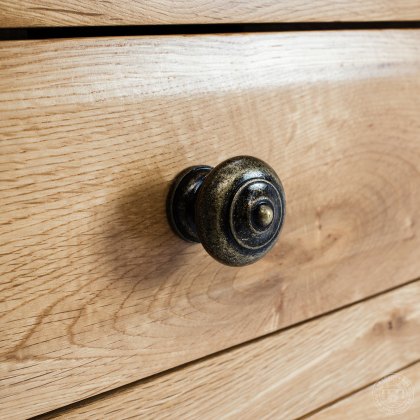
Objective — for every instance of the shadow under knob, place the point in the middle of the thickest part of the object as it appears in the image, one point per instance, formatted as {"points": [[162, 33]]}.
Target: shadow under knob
{"points": [[236, 210]]}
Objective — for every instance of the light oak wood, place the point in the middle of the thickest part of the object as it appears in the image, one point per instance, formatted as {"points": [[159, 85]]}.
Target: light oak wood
{"points": [[282, 376], [361, 405], [31, 13], [96, 291]]}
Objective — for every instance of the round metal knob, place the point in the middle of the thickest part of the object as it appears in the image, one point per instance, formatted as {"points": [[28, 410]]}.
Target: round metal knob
{"points": [[236, 210]]}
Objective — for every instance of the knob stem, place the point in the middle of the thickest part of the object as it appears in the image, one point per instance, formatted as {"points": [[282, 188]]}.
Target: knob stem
{"points": [[181, 201]]}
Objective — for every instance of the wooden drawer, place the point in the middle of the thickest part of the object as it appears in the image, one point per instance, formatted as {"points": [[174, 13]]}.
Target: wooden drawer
{"points": [[291, 374], [31, 13], [96, 290]]}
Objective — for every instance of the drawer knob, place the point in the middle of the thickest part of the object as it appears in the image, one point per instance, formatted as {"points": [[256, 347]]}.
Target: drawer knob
{"points": [[236, 210]]}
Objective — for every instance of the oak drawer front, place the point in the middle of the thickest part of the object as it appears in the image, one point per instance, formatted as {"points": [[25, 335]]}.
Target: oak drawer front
{"points": [[32, 13], [288, 374], [97, 291]]}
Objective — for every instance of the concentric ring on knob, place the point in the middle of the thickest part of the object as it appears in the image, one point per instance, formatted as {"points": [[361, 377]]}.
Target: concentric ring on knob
{"points": [[240, 210], [255, 213]]}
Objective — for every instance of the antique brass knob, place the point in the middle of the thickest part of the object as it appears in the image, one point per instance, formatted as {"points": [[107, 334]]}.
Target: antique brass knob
{"points": [[236, 210]]}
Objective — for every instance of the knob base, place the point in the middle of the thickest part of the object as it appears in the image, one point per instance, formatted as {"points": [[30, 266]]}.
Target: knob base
{"points": [[180, 205]]}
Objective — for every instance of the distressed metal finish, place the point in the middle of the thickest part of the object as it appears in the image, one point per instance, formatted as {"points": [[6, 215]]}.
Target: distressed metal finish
{"points": [[236, 210]]}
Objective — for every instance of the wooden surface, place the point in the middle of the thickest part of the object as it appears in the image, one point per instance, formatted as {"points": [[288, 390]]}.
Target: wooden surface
{"points": [[361, 405], [285, 375], [96, 291], [29, 13]]}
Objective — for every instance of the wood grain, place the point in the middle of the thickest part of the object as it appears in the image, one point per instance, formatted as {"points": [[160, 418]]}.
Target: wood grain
{"points": [[361, 405], [285, 375], [96, 291], [31, 13]]}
